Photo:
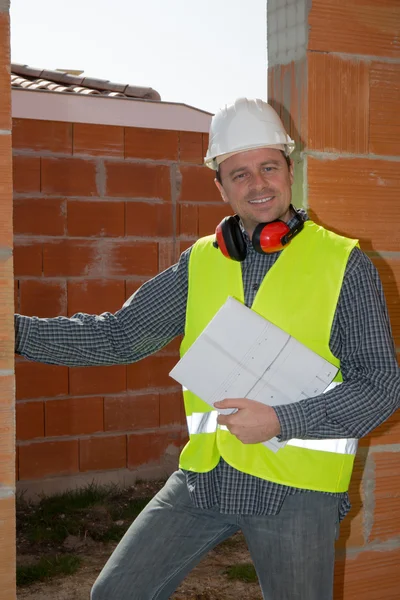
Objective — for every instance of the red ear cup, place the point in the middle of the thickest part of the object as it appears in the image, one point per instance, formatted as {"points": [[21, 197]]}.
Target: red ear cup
{"points": [[220, 242], [230, 240], [269, 237], [272, 237]]}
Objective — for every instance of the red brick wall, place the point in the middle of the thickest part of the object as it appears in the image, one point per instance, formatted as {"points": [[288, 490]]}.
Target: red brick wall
{"points": [[7, 410], [98, 210], [341, 99]]}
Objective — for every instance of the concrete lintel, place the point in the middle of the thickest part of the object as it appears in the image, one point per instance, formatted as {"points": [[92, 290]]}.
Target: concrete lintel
{"points": [[98, 110], [4, 5]]}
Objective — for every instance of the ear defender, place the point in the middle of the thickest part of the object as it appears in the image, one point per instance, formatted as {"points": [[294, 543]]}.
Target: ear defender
{"points": [[274, 236], [229, 239], [267, 237]]}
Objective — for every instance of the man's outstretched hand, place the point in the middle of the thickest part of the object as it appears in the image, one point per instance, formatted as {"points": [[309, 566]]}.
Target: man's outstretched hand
{"points": [[252, 423]]}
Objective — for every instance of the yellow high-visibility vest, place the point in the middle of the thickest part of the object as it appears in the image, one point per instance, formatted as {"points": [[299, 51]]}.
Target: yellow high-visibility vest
{"points": [[299, 294]]}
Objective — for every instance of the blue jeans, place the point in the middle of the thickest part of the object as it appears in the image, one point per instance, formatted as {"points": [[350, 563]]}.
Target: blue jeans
{"points": [[292, 552]]}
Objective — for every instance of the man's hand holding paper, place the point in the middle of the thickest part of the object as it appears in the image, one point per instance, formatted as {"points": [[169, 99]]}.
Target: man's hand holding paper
{"points": [[252, 423], [242, 361]]}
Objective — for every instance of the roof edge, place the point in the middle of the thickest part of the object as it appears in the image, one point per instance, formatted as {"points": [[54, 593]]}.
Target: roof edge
{"points": [[67, 79], [44, 105]]}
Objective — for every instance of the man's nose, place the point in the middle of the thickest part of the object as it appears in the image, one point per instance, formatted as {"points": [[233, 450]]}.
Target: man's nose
{"points": [[258, 181]]}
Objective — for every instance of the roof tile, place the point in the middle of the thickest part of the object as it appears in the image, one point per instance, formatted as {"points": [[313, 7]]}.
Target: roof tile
{"points": [[56, 76], [25, 70], [115, 87], [25, 77]]}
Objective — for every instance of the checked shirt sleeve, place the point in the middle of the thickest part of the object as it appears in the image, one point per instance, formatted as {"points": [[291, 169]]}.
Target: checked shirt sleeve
{"points": [[361, 338], [149, 320]]}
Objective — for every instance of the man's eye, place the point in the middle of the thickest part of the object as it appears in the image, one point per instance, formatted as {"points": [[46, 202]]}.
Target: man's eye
{"points": [[268, 169], [239, 176]]}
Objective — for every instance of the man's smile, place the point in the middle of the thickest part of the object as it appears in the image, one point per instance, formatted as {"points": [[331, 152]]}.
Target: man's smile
{"points": [[262, 200]]}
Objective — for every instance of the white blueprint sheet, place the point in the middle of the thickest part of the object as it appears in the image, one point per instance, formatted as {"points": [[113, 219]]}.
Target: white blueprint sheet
{"points": [[242, 355]]}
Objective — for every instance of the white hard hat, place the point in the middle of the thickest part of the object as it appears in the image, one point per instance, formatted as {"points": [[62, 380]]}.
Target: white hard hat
{"points": [[245, 125]]}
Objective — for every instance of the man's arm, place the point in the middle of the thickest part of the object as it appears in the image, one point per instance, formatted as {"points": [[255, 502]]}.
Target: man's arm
{"points": [[361, 338], [151, 318]]}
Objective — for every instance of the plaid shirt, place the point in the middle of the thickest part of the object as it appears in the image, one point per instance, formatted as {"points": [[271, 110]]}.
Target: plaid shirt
{"points": [[155, 314]]}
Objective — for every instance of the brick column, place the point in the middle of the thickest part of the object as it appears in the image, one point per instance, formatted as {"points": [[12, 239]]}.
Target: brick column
{"points": [[334, 76], [7, 412]]}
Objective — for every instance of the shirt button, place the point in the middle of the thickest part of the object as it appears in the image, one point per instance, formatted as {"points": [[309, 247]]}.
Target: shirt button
{"points": [[256, 286]]}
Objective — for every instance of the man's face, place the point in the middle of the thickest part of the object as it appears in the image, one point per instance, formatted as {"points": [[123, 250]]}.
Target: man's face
{"points": [[257, 185]]}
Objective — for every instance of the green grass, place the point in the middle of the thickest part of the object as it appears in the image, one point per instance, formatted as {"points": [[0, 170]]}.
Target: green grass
{"points": [[98, 512], [47, 567], [243, 572], [77, 499], [92, 510]]}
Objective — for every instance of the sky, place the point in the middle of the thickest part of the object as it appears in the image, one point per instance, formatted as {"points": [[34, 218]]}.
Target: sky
{"points": [[203, 53]]}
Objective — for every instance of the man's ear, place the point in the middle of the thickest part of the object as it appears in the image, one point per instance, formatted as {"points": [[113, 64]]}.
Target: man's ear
{"points": [[221, 190]]}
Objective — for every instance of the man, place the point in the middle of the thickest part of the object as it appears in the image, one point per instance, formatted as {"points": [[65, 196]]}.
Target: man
{"points": [[316, 285]]}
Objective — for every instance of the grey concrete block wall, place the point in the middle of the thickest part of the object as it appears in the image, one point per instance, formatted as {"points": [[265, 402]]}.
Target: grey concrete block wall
{"points": [[287, 30]]}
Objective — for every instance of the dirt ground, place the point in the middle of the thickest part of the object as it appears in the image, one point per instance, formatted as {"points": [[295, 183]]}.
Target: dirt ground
{"points": [[206, 582]]}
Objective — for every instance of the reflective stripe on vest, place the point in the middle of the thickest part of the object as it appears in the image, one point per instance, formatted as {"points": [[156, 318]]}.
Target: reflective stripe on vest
{"points": [[340, 446], [207, 423], [315, 260], [202, 422]]}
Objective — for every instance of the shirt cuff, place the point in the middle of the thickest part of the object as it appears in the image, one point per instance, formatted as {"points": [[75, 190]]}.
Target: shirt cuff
{"points": [[22, 328], [293, 422]]}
